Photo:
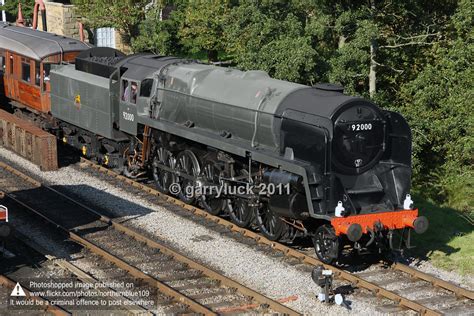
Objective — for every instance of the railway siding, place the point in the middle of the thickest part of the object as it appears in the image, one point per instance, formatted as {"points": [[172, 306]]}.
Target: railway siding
{"points": [[123, 247]]}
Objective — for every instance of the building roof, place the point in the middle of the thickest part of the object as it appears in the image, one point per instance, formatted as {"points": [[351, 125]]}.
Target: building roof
{"points": [[36, 44]]}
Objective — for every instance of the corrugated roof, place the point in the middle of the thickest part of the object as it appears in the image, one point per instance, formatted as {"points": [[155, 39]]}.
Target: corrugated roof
{"points": [[36, 44]]}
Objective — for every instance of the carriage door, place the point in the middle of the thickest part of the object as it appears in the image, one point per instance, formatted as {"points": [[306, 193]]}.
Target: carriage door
{"points": [[128, 106], [9, 76]]}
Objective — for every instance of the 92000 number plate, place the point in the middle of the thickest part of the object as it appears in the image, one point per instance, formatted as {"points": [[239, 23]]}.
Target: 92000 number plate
{"points": [[356, 127]]}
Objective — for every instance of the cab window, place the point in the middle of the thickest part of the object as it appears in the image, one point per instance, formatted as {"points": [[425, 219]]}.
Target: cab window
{"points": [[129, 91], [145, 88], [125, 91], [133, 92]]}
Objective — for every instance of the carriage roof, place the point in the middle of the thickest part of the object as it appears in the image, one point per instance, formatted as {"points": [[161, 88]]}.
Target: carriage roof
{"points": [[36, 44]]}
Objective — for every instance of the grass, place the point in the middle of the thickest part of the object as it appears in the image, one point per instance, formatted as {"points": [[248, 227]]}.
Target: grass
{"points": [[449, 241]]}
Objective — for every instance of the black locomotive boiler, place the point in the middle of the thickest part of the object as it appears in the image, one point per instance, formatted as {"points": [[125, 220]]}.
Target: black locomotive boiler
{"points": [[341, 165]]}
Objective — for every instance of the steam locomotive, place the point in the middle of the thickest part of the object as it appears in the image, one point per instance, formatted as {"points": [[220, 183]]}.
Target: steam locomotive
{"points": [[297, 160]]}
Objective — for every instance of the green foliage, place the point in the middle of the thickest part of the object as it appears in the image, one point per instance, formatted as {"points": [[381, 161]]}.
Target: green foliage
{"points": [[27, 6], [438, 104], [350, 64], [203, 26], [271, 36], [124, 15], [159, 36]]}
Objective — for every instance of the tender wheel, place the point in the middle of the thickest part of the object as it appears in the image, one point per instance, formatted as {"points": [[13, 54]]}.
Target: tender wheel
{"points": [[271, 225], [326, 244], [188, 165], [163, 178], [238, 209], [211, 173]]}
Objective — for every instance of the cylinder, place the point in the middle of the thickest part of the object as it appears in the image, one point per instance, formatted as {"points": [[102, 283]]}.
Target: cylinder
{"points": [[277, 176]]}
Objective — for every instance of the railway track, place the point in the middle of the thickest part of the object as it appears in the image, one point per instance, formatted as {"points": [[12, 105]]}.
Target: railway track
{"points": [[459, 299], [24, 260], [13, 268], [9, 284], [182, 284]]}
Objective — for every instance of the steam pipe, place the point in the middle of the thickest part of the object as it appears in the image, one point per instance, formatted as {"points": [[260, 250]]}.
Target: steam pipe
{"points": [[81, 32], [39, 5], [19, 20]]}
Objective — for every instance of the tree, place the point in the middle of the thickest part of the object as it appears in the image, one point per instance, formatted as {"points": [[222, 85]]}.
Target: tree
{"points": [[124, 15], [438, 103], [158, 34], [27, 6], [271, 36], [202, 27], [385, 43]]}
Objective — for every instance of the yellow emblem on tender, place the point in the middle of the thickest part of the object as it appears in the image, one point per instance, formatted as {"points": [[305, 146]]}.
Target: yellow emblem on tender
{"points": [[77, 99]]}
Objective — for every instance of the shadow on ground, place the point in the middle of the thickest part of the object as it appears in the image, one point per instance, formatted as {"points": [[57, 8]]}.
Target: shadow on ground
{"points": [[36, 228], [448, 241]]}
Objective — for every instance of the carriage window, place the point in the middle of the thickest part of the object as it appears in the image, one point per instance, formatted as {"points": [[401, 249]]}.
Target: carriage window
{"points": [[145, 88], [2, 60], [46, 69], [37, 73], [25, 72], [11, 64]]}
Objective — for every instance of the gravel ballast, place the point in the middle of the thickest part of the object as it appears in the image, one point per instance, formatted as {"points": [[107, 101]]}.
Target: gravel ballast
{"points": [[271, 276]]}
